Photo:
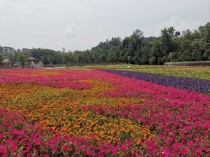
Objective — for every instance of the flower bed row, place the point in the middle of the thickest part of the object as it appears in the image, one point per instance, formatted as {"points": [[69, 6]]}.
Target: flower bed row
{"points": [[173, 81], [197, 72]]}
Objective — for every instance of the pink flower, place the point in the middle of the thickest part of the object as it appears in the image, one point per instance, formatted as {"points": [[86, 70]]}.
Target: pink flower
{"points": [[197, 152], [70, 148], [166, 152], [102, 153], [65, 148], [54, 150], [113, 150], [207, 150], [124, 147], [177, 145], [1, 135], [189, 143], [188, 128], [37, 141], [16, 132], [2, 149], [185, 151], [14, 146], [46, 155]]}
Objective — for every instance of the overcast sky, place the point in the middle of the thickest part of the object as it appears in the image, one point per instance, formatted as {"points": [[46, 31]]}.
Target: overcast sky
{"points": [[82, 24]]}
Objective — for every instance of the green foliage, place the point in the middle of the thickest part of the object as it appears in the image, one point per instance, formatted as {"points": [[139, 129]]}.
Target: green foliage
{"points": [[196, 55], [171, 46], [206, 55], [136, 59], [163, 59], [152, 60], [144, 60], [21, 58], [1, 58], [12, 57]]}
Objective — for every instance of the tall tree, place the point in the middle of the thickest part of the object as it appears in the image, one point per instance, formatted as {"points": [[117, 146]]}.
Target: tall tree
{"points": [[1, 58], [167, 35], [22, 59]]}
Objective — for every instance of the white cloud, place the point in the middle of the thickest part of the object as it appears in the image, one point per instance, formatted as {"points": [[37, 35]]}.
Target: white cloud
{"points": [[70, 31]]}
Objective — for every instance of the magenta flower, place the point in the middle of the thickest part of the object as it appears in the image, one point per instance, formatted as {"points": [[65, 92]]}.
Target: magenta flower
{"points": [[1, 135], [166, 152], [207, 150], [37, 141], [2, 149], [113, 150], [17, 132], [54, 149], [185, 151], [197, 152], [65, 148]]}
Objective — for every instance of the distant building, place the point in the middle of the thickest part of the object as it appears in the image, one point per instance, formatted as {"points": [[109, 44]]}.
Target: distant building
{"points": [[25, 50], [32, 62], [6, 63], [5, 51]]}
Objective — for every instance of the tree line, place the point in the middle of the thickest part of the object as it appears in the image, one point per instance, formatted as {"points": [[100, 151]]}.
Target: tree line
{"points": [[170, 46]]}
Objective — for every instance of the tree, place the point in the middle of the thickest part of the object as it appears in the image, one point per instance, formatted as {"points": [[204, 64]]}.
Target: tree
{"points": [[156, 48], [50, 59], [204, 32], [22, 59], [136, 59], [206, 55], [19, 51], [103, 58], [144, 60], [167, 44], [68, 58], [1, 59], [196, 55], [113, 54], [134, 46], [12, 58], [199, 47], [152, 60], [163, 59]]}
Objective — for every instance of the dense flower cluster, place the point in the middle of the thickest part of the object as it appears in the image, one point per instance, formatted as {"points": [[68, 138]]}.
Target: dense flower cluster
{"points": [[198, 72], [96, 113], [19, 138], [173, 81]]}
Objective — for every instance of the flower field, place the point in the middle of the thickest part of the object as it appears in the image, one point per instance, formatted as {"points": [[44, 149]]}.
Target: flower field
{"points": [[196, 72], [186, 83], [101, 113]]}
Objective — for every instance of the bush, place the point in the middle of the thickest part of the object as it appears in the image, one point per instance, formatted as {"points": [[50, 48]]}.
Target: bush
{"points": [[152, 60], [144, 60], [163, 59]]}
